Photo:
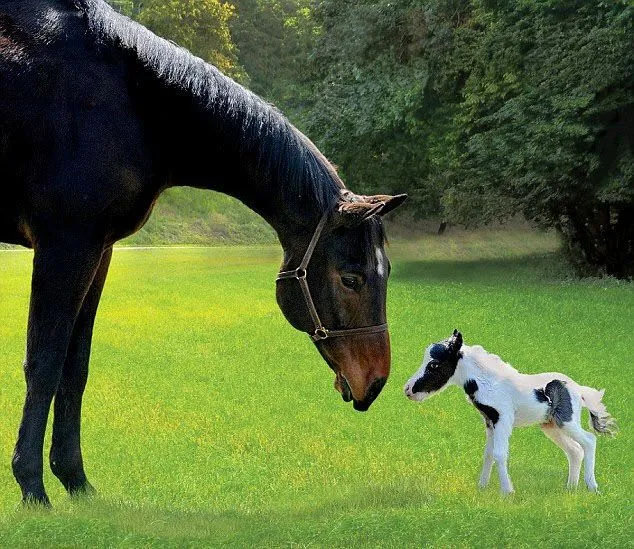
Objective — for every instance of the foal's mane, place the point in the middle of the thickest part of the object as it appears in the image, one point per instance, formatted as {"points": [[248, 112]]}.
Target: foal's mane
{"points": [[487, 360], [284, 153]]}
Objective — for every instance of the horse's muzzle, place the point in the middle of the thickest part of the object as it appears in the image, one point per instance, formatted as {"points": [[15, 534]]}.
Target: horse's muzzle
{"points": [[373, 392], [361, 364]]}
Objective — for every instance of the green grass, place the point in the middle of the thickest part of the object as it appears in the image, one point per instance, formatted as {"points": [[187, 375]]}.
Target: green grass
{"points": [[194, 216], [209, 421]]}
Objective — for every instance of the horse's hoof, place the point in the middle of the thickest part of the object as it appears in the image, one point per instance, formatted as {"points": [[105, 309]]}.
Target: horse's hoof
{"points": [[36, 501], [84, 490]]}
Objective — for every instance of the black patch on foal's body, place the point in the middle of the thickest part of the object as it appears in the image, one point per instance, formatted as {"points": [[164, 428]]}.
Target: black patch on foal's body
{"points": [[490, 414], [470, 387], [540, 395], [557, 396]]}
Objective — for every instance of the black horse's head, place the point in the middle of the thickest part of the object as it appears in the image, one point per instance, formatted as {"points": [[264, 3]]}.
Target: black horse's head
{"points": [[345, 283]]}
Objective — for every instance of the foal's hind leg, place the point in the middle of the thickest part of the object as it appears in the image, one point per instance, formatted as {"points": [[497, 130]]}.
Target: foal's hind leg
{"points": [[65, 457], [573, 450], [62, 273], [589, 444]]}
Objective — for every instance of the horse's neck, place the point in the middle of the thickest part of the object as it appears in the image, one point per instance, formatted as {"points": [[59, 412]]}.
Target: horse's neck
{"points": [[211, 133], [212, 160]]}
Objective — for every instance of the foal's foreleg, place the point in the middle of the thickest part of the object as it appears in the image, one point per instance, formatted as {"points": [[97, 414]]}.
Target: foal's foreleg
{"points": [[501, 434], [65, 457], [62, 273], [487, 466]]}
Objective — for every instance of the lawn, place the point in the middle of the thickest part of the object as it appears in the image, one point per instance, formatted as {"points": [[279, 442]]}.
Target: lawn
{"points": [[209, 421]]}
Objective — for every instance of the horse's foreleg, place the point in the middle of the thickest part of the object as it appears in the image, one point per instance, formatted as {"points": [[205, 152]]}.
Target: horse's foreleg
{"points": [[62, 274], [65, 457]]}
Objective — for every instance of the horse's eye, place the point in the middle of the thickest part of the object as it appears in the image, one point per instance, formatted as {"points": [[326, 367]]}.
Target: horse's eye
{"points": [[350, 281]]}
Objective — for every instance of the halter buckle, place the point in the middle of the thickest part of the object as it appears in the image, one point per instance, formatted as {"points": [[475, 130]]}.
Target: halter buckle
{"points": [[320, 333]]}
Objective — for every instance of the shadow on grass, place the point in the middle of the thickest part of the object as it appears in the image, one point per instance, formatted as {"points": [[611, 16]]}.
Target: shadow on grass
{"points": [[535, 267], [395, 515], [102, 522]]}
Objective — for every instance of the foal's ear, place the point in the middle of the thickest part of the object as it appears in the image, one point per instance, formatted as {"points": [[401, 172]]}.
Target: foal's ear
{"points": [[354, 208], [455, 342]]}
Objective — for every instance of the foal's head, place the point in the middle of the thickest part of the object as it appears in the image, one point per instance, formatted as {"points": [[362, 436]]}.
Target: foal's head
{"points": [[439, 364], [347, 282]]}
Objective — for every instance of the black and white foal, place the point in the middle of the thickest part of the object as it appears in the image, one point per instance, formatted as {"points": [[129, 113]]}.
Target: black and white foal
{"points": [[507, 398]]}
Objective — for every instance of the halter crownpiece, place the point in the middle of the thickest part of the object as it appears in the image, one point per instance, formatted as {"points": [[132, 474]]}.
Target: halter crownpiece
{"points": [[299, 274]]}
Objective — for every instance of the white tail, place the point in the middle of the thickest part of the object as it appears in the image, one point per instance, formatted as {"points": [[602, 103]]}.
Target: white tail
{"points": [[600, 419]]}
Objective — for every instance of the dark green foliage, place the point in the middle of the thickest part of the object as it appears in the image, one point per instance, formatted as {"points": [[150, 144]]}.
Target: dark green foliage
{"points": [[275, 39], [547, 123], [482, 109], [381, 110], [479, 109]]}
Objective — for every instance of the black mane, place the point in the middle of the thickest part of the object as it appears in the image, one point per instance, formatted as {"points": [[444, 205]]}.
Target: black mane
{"points": [[283, 152]]}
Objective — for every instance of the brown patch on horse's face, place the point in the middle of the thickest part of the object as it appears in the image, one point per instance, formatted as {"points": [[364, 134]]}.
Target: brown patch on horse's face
{"points": [[362, 365]]}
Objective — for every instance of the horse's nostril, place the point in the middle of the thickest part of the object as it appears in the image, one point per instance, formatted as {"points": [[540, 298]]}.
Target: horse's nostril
{"points": [[375, 388], [371, 394]]}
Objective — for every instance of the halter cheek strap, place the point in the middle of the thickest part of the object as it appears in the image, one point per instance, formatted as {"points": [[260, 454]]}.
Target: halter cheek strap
{"points": [[320, 332]]}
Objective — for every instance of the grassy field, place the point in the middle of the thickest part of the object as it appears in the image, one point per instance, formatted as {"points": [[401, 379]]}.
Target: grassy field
{"points": [[201, 217], [209, 421]]}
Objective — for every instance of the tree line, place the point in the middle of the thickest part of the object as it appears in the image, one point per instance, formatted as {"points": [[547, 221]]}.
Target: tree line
{"points": [[479, 109]]}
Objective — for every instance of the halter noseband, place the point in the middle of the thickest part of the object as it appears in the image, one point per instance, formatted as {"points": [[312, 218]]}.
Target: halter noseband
{"points": [[299, 274]]}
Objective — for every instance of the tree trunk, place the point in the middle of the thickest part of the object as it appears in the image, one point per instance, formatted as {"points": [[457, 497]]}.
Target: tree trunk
{"points": [[601, 241]]}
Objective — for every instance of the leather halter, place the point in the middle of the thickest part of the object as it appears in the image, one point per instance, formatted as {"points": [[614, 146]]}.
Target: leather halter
{"points": [[299, 274]]}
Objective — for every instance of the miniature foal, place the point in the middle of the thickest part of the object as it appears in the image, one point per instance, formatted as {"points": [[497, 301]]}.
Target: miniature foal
{"points": [[506, 399]]}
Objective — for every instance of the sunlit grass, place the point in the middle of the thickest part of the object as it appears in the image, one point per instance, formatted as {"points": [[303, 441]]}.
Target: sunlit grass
{"points": [[209, 421]]}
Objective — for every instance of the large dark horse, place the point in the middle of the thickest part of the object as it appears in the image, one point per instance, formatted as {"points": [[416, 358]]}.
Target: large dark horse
{"points": [[97, 117]]}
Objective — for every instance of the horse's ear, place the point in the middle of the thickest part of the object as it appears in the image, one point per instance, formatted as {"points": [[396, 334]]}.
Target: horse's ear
{"points": [[354, 208], [455, 342], [351, 214], [389, 202]]}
